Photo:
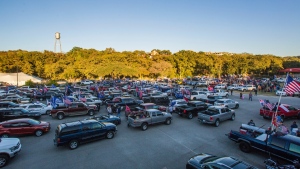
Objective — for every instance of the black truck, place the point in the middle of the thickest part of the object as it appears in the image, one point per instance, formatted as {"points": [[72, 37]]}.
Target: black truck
{"points": [[284, 146], [191, 109], [123, 101]]}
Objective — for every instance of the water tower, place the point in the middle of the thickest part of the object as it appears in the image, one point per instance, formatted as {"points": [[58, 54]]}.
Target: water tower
{"points": [[57, 41]]}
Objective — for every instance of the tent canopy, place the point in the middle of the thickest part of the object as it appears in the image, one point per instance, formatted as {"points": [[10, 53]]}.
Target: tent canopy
{"points": [[293, 70]]}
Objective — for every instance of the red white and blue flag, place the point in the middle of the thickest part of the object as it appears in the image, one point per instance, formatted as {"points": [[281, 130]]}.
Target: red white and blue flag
{"points": [[292, 86], [67, 100], [262, 102]]}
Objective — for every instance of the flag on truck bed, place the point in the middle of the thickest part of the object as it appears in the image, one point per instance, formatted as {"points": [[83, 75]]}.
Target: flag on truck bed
{"points": [[292, 86]]}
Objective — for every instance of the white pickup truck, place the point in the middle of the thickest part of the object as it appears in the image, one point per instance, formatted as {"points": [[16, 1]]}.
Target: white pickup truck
{"points": [[219, 92]]}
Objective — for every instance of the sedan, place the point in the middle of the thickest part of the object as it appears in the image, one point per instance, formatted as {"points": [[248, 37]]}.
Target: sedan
{"points": [[207, 161], [282, 93], [108, 118], [227, 103], [23, 126]]}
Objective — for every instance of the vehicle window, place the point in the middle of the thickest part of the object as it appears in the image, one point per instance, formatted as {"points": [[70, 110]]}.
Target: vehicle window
{"points": [[74, 105], [153, 114], [86, 127], [6, 125], [223, 111], [294, 148], [14, 125], [277, 142], [70, 130], [80, 105], [23, 124], [96, 126], [159, 113], [155, 107], [8, 113], [17, 112]]}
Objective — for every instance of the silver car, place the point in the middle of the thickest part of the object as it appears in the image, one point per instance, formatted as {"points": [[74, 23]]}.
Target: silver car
{"points": [[227, 103]]}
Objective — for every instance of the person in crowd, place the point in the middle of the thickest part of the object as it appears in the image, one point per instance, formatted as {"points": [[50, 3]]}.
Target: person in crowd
{"points": [[294, 128], [241, 95], [109, 110], [118, 111], [251, 123], [231, 91], [250, 96]]}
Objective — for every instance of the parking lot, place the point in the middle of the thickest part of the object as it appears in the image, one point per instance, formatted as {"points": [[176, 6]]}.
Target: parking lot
{"points": [[159, 147]]}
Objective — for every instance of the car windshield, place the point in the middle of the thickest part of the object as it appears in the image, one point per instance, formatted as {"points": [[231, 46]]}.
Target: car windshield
{"points": [[34, 122], [24, 111], [220, 101]]}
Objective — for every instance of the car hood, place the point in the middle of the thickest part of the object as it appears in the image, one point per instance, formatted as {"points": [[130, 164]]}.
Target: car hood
{"points": [[9, 142], [109, 124]]}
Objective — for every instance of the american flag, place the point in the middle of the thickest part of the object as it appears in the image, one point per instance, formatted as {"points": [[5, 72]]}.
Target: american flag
{"points": [[67, 101], [292, 86], [269, 105]]}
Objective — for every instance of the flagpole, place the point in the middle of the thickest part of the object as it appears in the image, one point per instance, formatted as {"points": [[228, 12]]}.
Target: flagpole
{"points": [[275, 115]]}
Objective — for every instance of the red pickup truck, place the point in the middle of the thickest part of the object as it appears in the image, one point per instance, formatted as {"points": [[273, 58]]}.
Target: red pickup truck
{"points": [[284, 110]]}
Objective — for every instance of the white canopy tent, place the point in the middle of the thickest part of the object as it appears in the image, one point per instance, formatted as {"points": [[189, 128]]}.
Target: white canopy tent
{"points": [[11, 78]]}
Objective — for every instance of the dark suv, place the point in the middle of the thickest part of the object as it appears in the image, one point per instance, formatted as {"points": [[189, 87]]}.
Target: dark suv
{"points": [[8, 105], [77, 132], [159, 100], [15, 113]]}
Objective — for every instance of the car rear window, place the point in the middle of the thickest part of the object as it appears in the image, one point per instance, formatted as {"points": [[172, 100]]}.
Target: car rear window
{"points": [[220, 101]]}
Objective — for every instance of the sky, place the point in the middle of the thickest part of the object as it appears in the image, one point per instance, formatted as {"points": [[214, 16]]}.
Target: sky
{"points": [[237, 26]]}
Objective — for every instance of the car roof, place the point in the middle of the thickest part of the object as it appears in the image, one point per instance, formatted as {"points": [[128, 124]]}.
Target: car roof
{"points": [[223, 99], [146, 104], [16, 120], [151, 110]]}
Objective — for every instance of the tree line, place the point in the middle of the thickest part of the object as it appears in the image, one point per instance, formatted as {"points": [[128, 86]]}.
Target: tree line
{"points": [[81, 63]]}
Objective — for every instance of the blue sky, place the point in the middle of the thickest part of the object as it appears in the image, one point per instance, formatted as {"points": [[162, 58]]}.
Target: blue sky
{"points": [[252, 26]]}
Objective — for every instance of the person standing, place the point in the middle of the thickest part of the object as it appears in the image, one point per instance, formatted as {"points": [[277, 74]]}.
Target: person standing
{"points": [[255, 91], [231, 91], [250, 96], [118, 111], [109, 110], [241, 95]]}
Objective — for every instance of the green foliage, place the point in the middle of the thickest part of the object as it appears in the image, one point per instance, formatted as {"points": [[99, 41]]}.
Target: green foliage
{"points": [[51, 82], [81, 63], [29, 83]]}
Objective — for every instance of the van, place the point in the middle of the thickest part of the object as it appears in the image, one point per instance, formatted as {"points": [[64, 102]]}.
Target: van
{"points": [[75, 133]]}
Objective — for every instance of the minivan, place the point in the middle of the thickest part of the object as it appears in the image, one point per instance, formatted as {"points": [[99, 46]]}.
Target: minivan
{"points": [[74, 133]]}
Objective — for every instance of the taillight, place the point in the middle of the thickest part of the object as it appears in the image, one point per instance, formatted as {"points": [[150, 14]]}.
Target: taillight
{"points": [[58, 140], [211, 118], [184, 111]]}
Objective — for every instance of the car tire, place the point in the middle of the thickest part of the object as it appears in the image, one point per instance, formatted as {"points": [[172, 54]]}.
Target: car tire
{"points": [[48, 112], [3, 160], [168, 121], [190, 115], [194, 98], [232, 117], [144, 126], [4, 136], [110, 135], [245, 147], [217, 123], [38, 133], [73, 144], [60, 116], [91, 112], [237, 106]]}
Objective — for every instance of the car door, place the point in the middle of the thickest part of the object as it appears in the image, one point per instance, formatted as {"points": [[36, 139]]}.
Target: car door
{"points": [[40, 109], [14, 129], [154, 117], [26, 128], [98, 130], [160, 117], [81, 109], [223, 115]]}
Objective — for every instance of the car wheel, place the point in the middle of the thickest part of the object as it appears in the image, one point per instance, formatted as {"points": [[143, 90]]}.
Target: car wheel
{"points": [[194, 98], [3, 160], [5, 136], [91, 112], [168, 121], [48, 112], [60, 116], [237, 106], [73, 144], [190, 116], [144, 126], [38, 133], [232, 117], [245, 147], [110, 135], [217, 123]]}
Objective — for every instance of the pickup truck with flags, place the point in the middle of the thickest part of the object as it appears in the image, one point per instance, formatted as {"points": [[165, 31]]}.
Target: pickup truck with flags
{"points": [[284, 110]]}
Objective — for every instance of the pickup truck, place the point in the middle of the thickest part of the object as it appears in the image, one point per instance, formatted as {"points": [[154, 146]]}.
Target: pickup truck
{"points": [[191, 109], [284, 146], [150, 117], [75, 109], [144, 106], [216, 114]]}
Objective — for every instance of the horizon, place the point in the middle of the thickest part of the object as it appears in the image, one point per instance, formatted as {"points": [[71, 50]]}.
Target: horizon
{"points": [[254, 27]]}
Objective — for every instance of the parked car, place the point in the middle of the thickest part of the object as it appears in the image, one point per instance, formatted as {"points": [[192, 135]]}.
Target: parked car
{"points": [[19, 112], [75, 133], [227, 103], [282, 93], [9, 148], [220, 86], [23, 126], [191, 109], [8, 105], [196, 95], [86, 82], [159, 100], [40, 107], [107, 118], [208, 161], [247, 88], [284, 110]]}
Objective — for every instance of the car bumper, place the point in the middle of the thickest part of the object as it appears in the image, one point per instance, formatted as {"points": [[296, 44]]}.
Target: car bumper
{"points": [[205, 121], [16, 152], [134, 125]]}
